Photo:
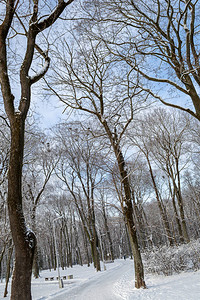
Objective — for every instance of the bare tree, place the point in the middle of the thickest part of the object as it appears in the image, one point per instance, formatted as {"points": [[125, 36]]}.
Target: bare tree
{"points": [[35, 181], [104, 214], [159, 40], [29, 17], [140, 139], [89, 82], [162, 138], [78, 171]]}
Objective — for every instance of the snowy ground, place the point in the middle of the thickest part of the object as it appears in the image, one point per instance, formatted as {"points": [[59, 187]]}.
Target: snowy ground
{"points": [[116, 283]]}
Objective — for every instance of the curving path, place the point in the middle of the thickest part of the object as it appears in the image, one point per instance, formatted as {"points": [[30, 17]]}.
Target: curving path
{"points": [[97, 288]]}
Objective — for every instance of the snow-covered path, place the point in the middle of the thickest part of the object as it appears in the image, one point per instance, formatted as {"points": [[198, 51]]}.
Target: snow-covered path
{"points": [[99, 287], [116, 283]]}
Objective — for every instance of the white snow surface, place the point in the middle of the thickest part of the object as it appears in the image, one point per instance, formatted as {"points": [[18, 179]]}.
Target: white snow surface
{"points": [[116, 283]]}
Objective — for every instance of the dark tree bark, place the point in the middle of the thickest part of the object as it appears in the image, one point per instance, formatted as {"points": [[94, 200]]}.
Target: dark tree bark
{"points": [[23, 238], [127, 206], [139, 221], [85, 246]]}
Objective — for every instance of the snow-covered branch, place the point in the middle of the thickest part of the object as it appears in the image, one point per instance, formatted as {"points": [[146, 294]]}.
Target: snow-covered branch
{"points": [[42, 72]]}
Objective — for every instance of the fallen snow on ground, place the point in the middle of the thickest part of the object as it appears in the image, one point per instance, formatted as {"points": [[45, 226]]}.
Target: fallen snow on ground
{"points": [[116, 283]]}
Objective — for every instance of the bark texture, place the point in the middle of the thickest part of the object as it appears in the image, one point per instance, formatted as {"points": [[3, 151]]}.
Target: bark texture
{"points": [[127, 207], [23, 238]]}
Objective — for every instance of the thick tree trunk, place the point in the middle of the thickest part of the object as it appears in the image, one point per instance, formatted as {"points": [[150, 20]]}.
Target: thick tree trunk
{"points": [[95, 254], [128, 213], [85, 246], [140, 226], [126, 205], [24, 239], [35, 258], [138, 265], [128, 240]]}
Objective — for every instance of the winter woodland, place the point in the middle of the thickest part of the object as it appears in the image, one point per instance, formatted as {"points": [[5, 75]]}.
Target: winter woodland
{"points": [[117, 175]]}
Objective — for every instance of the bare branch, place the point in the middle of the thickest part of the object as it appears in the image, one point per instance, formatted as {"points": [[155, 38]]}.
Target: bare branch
{"points": [[54, 15], [42, 72]]}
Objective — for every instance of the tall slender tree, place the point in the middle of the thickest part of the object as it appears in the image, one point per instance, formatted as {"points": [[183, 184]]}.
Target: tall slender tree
{"points": [[90, 83]]}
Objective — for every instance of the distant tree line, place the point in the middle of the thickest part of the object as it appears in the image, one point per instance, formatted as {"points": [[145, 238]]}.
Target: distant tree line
{"points": [[72, 173]]}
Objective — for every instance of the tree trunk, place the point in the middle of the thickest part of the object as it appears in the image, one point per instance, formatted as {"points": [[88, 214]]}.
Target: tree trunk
{"points": [[35, 258], [128, 240], [1, 257], [76, 238], [180, 203], [161, 207], [127, 208], [24, 239], [8, 269], [108, 232], [182, 214], [139, 271], [140, 226], [36, 269], [95, 254], [68, 245], [85, 246], [177, 191], [51, 255], [176, 214], [126, 205]]}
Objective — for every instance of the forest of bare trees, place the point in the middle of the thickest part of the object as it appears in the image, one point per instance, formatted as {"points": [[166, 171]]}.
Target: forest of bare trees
{"points": [[119, 172]]}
